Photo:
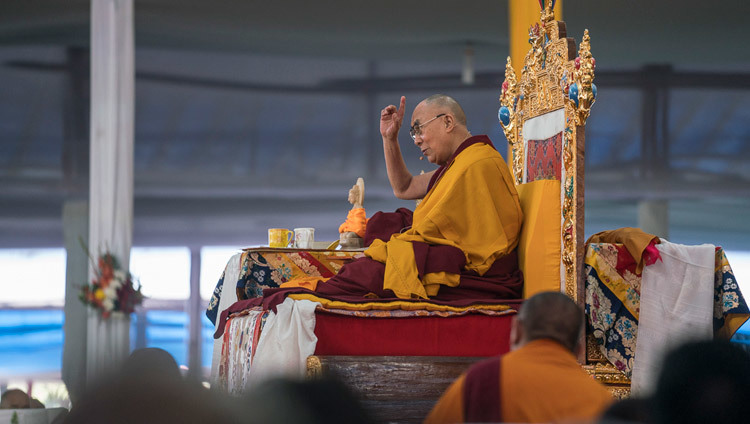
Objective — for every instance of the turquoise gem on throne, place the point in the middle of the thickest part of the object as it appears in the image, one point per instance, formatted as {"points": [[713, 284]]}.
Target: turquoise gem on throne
{"points": [[573, 93], [504, 115]]}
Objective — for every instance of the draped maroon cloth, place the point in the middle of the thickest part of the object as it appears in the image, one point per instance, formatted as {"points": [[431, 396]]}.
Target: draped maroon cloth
{"points": [[384, 224], [364, 277], [273, 297]]}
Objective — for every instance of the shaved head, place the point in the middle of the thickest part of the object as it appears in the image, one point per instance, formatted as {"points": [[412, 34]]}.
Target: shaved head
{"points": [[551, 315], [448, 104]]}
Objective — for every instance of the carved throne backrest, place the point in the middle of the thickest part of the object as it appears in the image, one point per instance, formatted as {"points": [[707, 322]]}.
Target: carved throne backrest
{"points": [[543, 114]]}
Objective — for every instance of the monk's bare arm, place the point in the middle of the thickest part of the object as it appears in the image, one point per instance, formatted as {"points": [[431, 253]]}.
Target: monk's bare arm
{"points": [[404, 184]]}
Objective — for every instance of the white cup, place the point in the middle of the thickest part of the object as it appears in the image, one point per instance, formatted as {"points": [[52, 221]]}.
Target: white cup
{"points": [[304, 237]]}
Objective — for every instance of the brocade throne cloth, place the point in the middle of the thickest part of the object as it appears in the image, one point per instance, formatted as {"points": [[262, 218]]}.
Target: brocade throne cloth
{"points": [[613, 296]]}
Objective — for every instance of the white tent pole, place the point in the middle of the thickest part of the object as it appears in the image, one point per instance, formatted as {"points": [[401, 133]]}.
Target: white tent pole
{"points": [[111, 175]]}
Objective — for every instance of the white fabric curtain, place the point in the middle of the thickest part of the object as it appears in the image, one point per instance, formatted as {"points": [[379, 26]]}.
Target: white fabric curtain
{"points": [[286, 341], [111, 184], [677, 306]]}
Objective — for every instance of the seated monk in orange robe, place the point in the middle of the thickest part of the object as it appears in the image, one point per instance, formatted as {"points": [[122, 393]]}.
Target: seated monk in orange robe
{"points": [[464, 232], [540, 380]]}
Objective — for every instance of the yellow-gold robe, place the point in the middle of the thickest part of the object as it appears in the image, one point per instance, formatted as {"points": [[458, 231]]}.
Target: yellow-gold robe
{"points": [[473, 206]]}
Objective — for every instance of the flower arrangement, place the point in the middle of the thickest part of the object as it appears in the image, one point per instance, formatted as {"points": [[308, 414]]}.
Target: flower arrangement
{"points": [[112, 290]]}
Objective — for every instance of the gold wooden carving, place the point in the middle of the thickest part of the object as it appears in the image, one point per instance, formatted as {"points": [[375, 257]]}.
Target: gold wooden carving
{"points": [[552, 79], [617, 383], [619, 392], [509, 100], [314, 367], [593, 350]]}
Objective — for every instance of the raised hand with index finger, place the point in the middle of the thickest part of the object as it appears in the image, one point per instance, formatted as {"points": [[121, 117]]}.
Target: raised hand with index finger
{"points": [[391, 119]]}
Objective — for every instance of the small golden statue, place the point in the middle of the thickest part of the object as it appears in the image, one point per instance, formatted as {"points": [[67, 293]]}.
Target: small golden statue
{"points": [[352, 231]]}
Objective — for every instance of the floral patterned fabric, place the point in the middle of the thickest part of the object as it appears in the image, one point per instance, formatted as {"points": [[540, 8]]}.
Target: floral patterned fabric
{"points": [[728, 299], [266, 268], [613, 291], [213, 304]]}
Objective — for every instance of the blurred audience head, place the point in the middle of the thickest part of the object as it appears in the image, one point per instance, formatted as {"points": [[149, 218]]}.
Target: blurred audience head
{"points": [[150, 389], [15, 399], [35, 403], [147, 396], [629, 410], [322, 400], [151, 364], [154, 401], [704, 382]]}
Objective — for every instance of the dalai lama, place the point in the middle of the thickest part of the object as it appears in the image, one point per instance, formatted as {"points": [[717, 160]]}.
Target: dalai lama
{"points": [[461, 240]]}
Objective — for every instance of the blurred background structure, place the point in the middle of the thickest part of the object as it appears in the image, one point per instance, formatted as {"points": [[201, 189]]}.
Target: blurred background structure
{"points": [[252, 115]]}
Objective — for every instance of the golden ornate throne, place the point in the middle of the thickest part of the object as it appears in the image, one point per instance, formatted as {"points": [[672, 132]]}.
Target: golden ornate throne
{"points": [[543, 114]]}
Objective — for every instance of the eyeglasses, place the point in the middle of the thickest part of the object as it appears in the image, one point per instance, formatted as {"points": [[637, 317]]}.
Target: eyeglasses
{"points": [[416, 129]]}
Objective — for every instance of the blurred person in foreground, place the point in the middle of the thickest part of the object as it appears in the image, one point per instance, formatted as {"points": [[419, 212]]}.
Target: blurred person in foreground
{"points": [[630, 410], [540, 380], [704, 382], [149, 388], [322, 400], [18, 399]]}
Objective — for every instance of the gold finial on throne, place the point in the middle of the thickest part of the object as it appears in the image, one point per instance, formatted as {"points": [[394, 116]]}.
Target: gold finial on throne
{"points": [[548, 13], [554, 83], [582, 91]]}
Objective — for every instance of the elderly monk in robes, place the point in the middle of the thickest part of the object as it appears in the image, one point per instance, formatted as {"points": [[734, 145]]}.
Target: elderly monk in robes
{"points": [[540, 380], [461, 241], [457, 248]]}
